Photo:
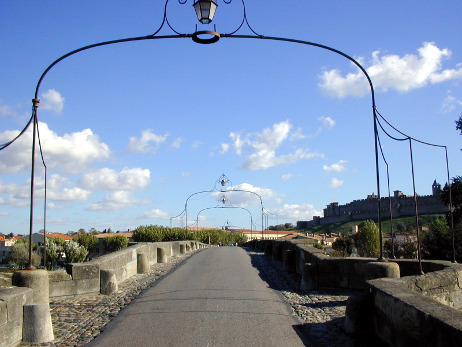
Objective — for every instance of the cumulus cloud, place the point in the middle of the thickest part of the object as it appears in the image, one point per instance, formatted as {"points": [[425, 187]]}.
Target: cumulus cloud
{"points": [[392, 71], [296, 212], [336, 167], [286, 177], [147, 143], [70, 153], [111, 180], [155, 214], [113, 201], [265, 145], [52, 100], [335, 183]]}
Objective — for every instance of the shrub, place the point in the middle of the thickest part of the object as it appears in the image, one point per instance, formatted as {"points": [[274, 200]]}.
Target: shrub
{"points": [[367, 240], [86, 240], [74, 252], [19, 254], [115, 243]]}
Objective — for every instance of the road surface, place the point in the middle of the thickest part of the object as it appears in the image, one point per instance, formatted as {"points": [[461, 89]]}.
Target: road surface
{"points": [[216, 298]]}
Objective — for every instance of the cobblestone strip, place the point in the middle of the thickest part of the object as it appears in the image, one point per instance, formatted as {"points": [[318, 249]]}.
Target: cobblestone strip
{"points": [[322, 313], [79, 319]]}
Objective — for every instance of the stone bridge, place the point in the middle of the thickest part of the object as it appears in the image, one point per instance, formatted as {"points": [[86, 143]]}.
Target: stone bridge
{"points": [[393, 303]]}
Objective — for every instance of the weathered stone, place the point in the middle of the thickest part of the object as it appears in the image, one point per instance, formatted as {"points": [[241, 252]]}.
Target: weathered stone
{"points": [[382, 270], [143, 263], [359, 314], [161, 255], [36, 280], [108, 282], [37, 327]]}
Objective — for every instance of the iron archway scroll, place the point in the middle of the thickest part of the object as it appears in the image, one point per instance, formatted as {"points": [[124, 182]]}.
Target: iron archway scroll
{"points": [[201, 37]]}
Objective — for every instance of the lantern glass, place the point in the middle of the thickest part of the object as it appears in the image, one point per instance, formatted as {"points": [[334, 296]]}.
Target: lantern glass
{"points": [[205, 10]]}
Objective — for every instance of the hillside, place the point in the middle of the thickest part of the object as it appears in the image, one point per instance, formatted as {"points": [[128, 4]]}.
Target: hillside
{"points": [[403, 224]]}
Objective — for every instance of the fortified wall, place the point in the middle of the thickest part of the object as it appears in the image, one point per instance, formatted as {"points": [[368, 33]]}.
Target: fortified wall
{"points": [[401, 206]]}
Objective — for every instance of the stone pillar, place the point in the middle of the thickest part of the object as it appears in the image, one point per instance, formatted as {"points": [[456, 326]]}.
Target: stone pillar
{"points": [[193, 245], [383, 269], [182, 249], [288, 260], [161, 255], [108, 282], [276, 251], [359, 314], [36, 280], [37, 326], [309, 277], [142, 265]]}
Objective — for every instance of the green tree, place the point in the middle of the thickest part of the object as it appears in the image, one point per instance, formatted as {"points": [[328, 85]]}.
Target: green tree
{"points": [[456, 194], [367, 240], [19, 254], [86, 240], [343, 246], [115, 243], [74, 252]]}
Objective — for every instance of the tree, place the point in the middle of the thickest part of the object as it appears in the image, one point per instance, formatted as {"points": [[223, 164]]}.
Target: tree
{"points": [[74, 252], [86, 240], [367, 240], [82, 231], [343, 246], [115, 243], [456, 194], [19, 254]]}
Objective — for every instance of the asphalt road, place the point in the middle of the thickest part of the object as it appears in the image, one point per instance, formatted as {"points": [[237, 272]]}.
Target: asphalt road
{"points": [[216, 298]]}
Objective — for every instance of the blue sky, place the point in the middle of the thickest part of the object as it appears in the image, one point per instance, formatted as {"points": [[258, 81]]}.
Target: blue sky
{"points": [[130, 131]]}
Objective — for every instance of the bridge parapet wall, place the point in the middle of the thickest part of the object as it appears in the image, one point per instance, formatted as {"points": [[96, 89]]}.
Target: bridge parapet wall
{"points": [[82, 278], [424, 310]]}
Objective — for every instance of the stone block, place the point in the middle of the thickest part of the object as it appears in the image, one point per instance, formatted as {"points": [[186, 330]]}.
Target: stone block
{"points": [[143, 265], [36, 280], [182, 249], [384, 269], [289, 260], [359, 314], [161, 255], [309, 277], [37, 326], [108, 282], [84, 271]]}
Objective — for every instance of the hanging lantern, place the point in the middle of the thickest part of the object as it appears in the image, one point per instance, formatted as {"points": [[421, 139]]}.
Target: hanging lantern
{"points": [[205, 10]]}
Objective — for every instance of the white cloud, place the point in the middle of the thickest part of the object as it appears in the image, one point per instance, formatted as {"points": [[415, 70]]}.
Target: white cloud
{"points": [[70, 153], [296, 212], [393, 72], [336, 167], [177, 142], [110, 180], [286, 177], [69, 194], [52, 100], [114, 201], [335, 183], [224, 148], [450, 103], [144, 143], [155, 214], [196, 144], [327, 122], [186, 174], [265, 144]]}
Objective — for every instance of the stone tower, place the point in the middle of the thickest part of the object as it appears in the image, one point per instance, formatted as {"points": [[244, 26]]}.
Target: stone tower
{"points": [[436, 188]]}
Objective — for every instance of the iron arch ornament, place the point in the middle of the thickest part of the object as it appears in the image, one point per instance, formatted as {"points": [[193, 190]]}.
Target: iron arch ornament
{"points": [[206, 36]]}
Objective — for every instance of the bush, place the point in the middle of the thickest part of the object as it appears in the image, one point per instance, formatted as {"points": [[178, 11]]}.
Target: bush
{"points": [[343, 247], [54, 250], [115, 243], [74, 252], [19, 254], [86, 240]]}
